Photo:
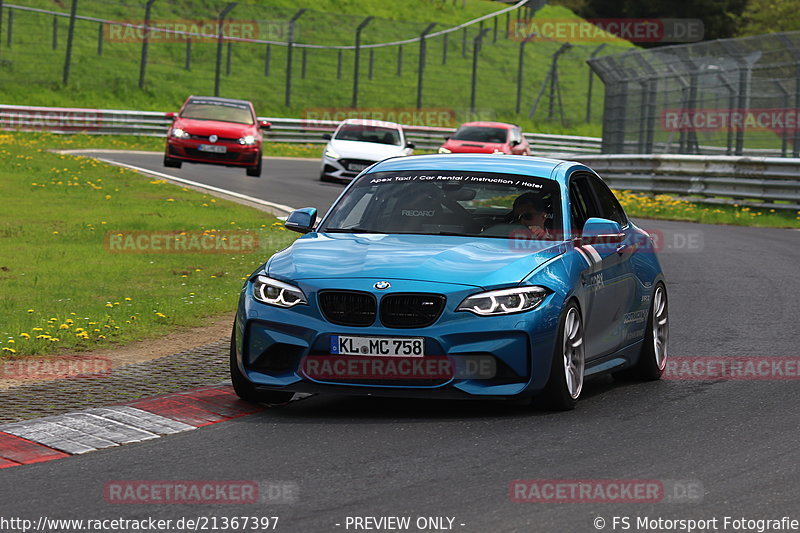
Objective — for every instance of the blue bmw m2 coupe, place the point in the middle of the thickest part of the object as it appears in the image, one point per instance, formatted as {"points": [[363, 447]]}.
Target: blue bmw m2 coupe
{"points": [[463, 275]]}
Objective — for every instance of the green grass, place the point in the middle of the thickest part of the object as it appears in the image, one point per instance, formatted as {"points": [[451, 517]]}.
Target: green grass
{"points": [[57, 274], [665, 207], [30, 70]]}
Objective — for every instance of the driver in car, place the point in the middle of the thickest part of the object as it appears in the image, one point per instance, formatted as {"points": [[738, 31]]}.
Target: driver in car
{"points": [[529, 210]]}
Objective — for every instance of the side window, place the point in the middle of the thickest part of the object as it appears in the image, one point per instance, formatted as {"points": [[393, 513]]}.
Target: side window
{"points": [[581, 200], [607, 203]]}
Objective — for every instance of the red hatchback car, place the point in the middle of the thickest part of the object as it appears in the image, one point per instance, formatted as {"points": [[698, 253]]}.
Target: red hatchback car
{"points": [[486, 138], [219, 131]]}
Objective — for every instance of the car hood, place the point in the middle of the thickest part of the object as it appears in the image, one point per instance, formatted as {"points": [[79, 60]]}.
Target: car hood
{"points": [[473, 147], [205, 128], [476, 261], [364, 150]]}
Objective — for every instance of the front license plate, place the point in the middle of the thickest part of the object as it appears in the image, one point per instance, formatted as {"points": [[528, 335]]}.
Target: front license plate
{"points": [[213, 148], [378, 346], [356, 167]]}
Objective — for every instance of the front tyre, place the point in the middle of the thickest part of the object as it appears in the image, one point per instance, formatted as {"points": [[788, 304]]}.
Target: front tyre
{"points": [[245, 389], [255, 170], [564, 387], [172, 162]]}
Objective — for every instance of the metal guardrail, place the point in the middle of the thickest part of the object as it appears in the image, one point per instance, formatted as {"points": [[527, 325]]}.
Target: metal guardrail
{"points": [[290, 130], [763, 182]]}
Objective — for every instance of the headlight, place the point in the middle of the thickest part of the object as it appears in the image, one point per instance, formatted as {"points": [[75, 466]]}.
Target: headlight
{"points": [[496, 151], [504, 301], [330, 152], [273, 292], [444, 150], [247, 139], [179, 133]]}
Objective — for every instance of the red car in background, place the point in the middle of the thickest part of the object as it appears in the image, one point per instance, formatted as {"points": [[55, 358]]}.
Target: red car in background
{"points": [[486, 138], [220, 131]]}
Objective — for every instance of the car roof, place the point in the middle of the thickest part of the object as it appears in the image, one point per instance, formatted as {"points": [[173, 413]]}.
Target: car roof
{"points": [[370, 122], [541, 167], [488, 124], [218, 99]]}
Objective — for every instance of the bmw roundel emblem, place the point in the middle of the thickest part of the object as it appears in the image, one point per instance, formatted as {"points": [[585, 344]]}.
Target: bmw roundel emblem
{"points": [[382, 285], [213, 138]]}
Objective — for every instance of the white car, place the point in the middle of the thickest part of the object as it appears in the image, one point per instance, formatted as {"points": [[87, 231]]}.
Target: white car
{"points": [[357, 144]]}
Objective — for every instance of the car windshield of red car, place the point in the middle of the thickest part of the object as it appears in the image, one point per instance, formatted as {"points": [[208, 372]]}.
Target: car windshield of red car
{"points": [[216, 110], [481, 134], [370, 134]]}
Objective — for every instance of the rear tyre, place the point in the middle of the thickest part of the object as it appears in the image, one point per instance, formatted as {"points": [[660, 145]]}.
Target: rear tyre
{"points": [[256, 169], [246, 390], [653, 357], [564, 387], [171, 162], [323, 177]]}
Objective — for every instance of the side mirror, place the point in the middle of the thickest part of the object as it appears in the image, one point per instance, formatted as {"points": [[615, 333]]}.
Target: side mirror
{"points": [[515, 142], [447, 138], [302, 220], [171, 115], [411, 145], [265, 124], [599, 231], [327, 136]]}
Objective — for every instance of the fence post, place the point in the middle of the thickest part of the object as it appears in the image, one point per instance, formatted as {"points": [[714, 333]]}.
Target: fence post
{"points": [[464, 43], [1, 24], [591, 79], [287, 97], [145, 42], [421, 66], [10, 27], [520, 62], [444, 50], [73, 12], [220, 38], [494, 36], [371, 61], [359, 29], [100, 37], [339, 64], [228, 53], [188, 61], [55, 32], [267, 58], [400, 60], [476, 48], [303, 63]]}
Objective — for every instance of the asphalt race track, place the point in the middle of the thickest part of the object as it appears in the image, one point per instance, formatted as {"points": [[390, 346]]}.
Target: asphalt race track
{"points": [[733, 292]]}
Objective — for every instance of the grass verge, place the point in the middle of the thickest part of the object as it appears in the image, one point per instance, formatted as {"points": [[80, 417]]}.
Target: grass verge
{"points": [[66, 286], [666, 207]]}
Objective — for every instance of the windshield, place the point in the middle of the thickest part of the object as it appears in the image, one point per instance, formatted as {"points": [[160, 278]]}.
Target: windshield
{"points": [[216, 110], [481, 134], [436, 202], [369, 134]]}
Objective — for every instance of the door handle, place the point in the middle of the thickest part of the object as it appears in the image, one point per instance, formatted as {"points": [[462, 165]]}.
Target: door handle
{"points": [[621, 248]]}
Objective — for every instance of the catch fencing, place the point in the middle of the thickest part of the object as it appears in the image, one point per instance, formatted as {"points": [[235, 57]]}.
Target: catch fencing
{"points": [[723, 97], [290, 60]]}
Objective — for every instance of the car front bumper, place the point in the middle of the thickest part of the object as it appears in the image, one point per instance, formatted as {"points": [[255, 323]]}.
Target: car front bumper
{"points": [[271, 345], [235, 155], [343, 169]]}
